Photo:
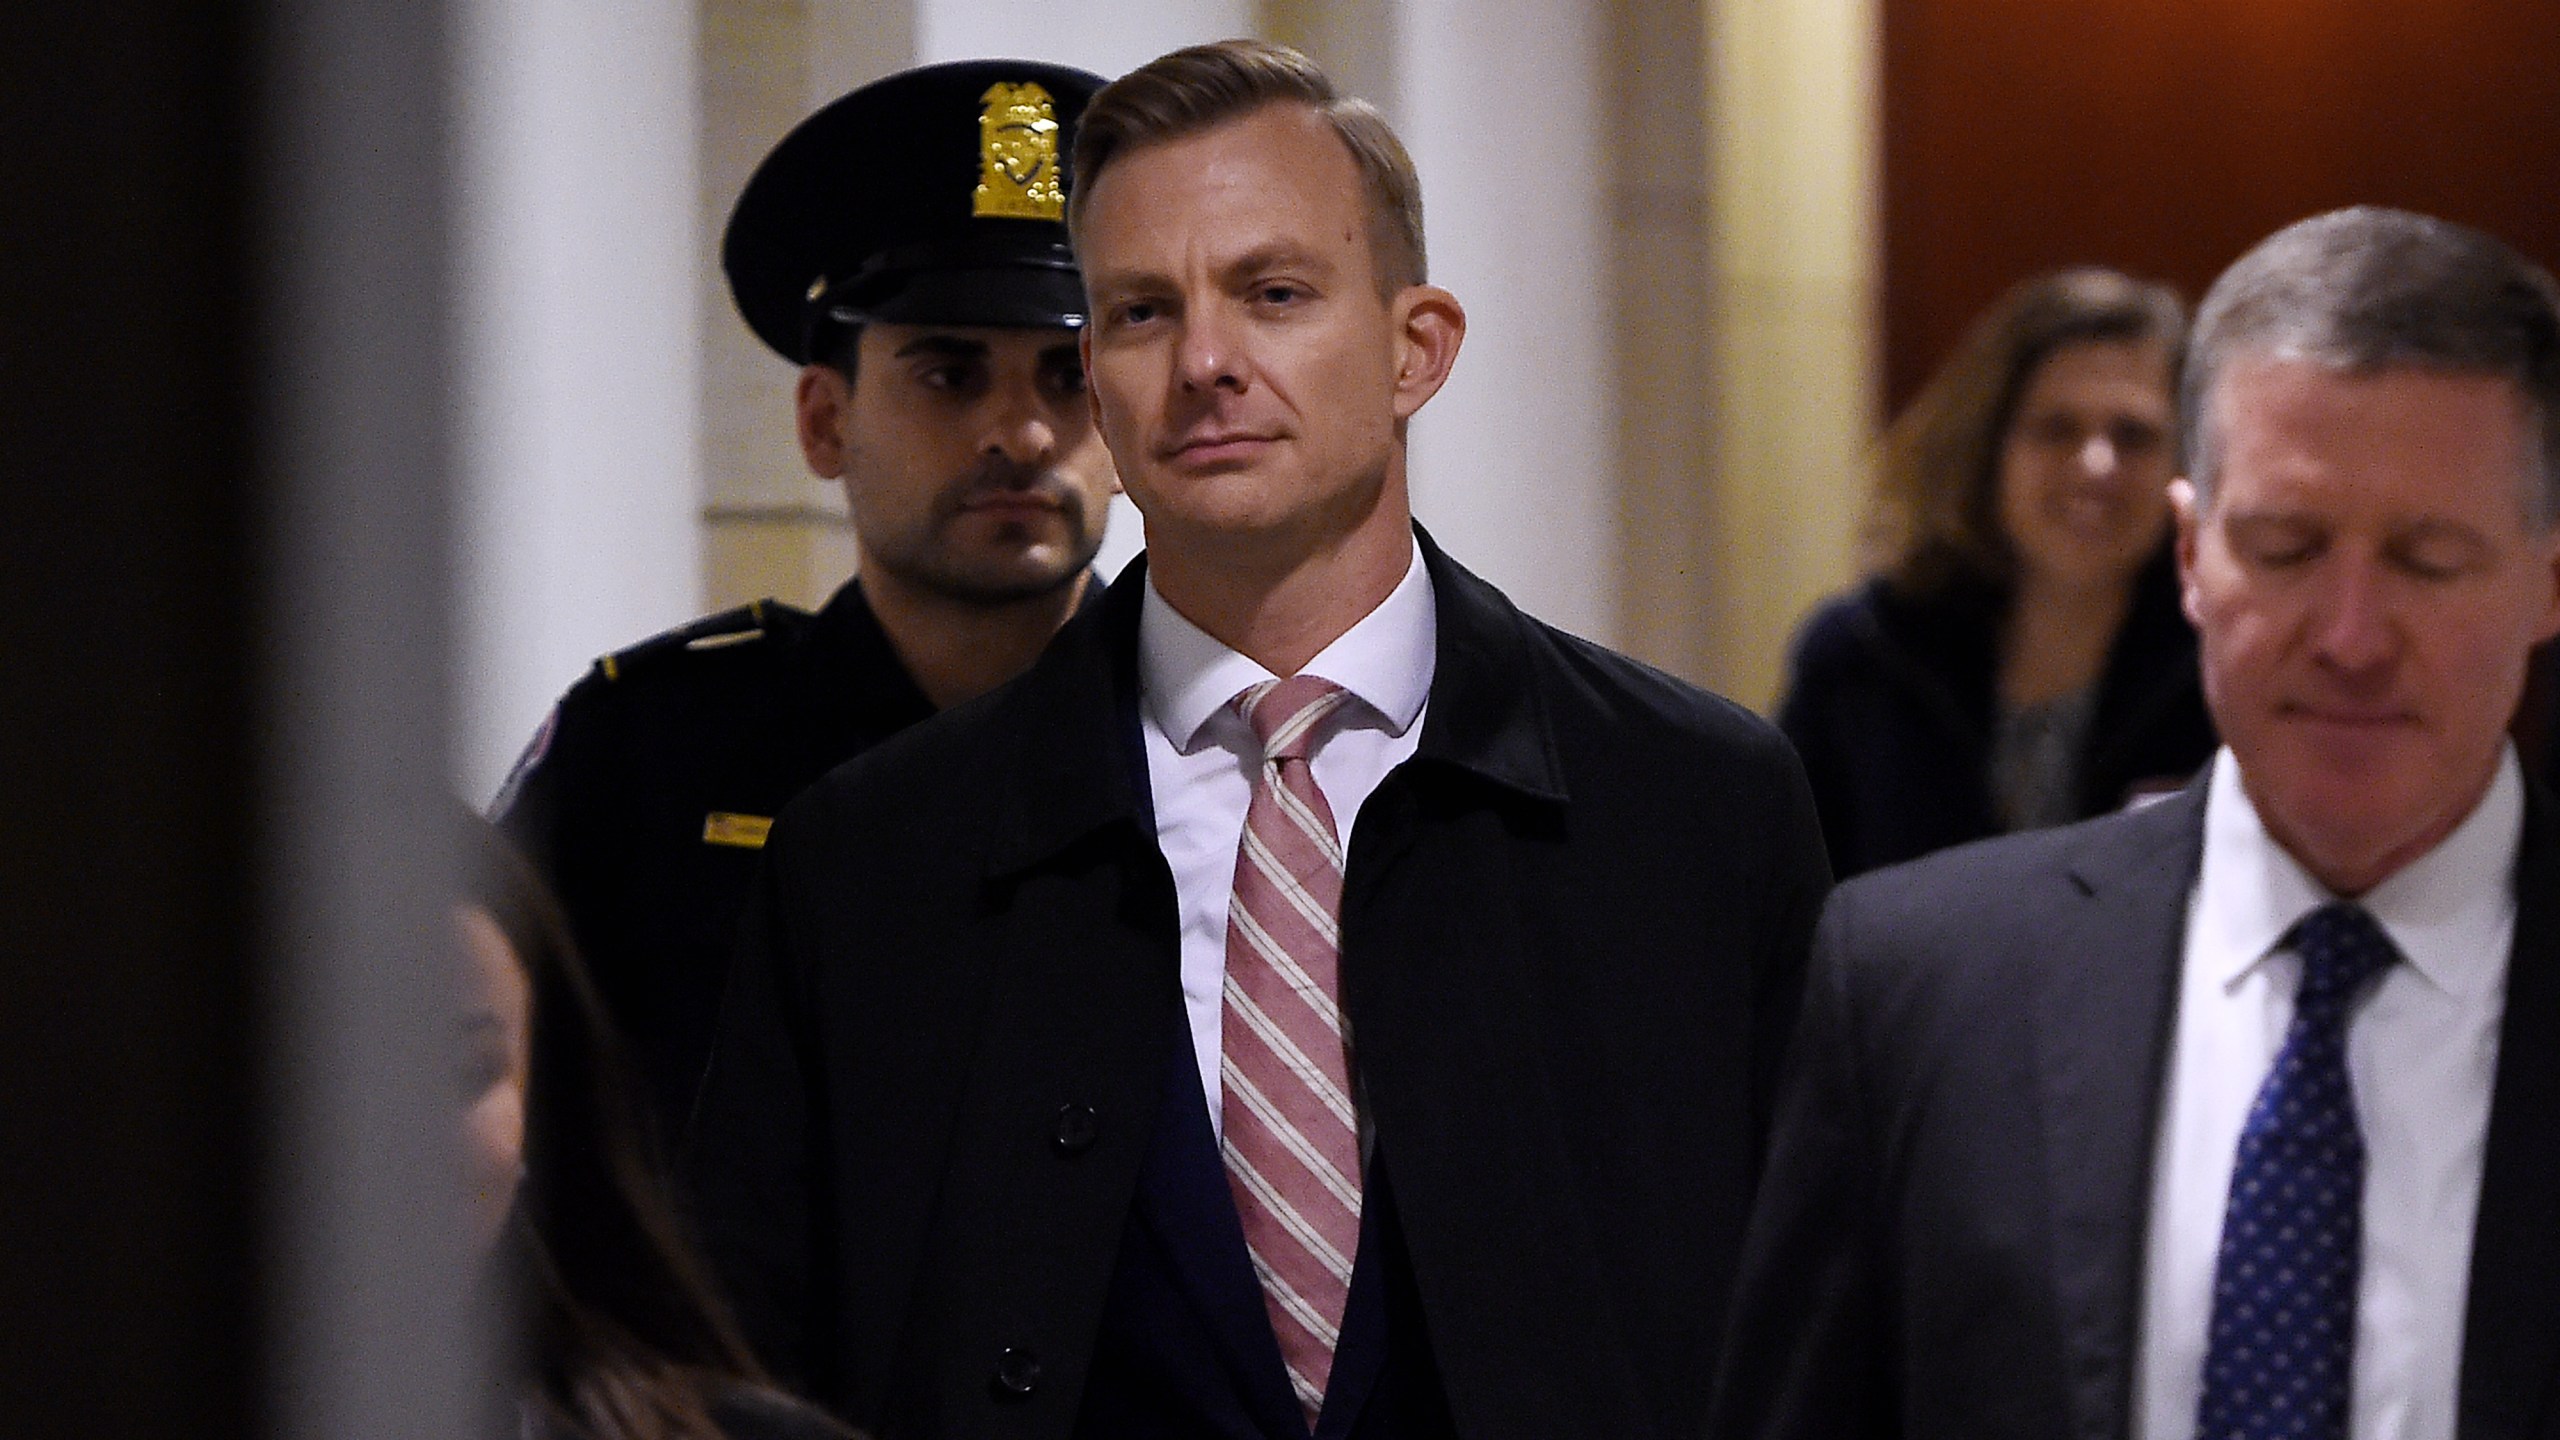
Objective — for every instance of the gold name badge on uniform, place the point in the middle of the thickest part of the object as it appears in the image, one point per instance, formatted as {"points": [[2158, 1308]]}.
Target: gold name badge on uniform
{"points": [[745, 832], [1018, 155]]}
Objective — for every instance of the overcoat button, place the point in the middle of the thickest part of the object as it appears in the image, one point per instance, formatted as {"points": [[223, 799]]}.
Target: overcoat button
{"points": [[1017, 1373], [1077, 1128]]}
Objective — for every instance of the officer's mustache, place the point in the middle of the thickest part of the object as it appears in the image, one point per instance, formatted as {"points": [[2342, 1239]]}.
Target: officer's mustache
{"points": [[999, 477]]}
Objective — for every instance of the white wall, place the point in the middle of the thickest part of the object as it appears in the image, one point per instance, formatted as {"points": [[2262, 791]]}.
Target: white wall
{"points": [[1514, 464], [579, 349], [1106, 38]]}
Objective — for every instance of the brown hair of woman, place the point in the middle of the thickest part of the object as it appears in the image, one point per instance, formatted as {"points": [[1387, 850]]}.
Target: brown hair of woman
{"points": [[623, 1337], [1934, 516]]}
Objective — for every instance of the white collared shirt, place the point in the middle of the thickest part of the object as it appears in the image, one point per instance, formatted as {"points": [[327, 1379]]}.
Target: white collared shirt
{"points": [[1202, 758], [2422, 1053]]}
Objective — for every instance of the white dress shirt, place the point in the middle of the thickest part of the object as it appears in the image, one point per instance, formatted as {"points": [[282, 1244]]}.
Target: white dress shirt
{"points": [[2422, 1052], [1202, 758]]}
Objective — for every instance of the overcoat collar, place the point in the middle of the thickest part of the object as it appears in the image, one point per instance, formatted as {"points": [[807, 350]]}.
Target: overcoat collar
{"points": [[1075, 769], [2104, 1012]]}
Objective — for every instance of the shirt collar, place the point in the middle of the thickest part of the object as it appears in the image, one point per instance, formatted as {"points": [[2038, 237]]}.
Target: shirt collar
{"points": [[2448, 911], [1187, 675]]}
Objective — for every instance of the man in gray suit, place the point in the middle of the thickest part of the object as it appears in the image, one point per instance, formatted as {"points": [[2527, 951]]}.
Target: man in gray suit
{"points": [[2239, 1115]]}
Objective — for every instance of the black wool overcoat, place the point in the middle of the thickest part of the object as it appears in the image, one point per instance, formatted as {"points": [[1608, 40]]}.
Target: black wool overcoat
{"points": [[1574, 927]]}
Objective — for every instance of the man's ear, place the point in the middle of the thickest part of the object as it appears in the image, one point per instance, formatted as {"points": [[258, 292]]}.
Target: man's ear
{"points": [[2182, 511], [1429, 325], [822, 402]]}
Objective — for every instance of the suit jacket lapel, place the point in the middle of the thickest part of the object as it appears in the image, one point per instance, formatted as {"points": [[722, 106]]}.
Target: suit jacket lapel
{"points": [[2106, 995], [2511, 1331]]}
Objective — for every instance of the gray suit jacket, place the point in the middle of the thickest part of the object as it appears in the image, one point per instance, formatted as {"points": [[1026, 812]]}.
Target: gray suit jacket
{"points": [[1949, 1239]]}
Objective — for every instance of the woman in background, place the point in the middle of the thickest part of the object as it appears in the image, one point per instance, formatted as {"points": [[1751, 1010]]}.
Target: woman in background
{"points": [[2016, 657], [622, 1338]]}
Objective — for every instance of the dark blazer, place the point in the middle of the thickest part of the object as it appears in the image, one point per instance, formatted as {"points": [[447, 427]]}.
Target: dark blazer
{"points": [[1573, 933], [2537, 723], [1951, 1238], [1892, 702]]}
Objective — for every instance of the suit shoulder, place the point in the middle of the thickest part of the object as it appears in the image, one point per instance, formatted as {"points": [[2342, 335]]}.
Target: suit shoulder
{"points": [[1832, 657], [1998, 884], [1943, 956], [1949, 935], [1980, 874]]}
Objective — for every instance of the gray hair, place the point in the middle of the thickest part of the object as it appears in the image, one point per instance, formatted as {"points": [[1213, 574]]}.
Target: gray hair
{"points": [[2370, 289]]}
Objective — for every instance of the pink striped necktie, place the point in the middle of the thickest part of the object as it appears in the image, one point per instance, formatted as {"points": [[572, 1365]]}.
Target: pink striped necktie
{"points": [[1291, 1147]]}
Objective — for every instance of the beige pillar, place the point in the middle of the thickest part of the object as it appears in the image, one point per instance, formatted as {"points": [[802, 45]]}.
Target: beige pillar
{"points": [[1792, 266], [768, 527], [1514, 463], [1652, 83]]}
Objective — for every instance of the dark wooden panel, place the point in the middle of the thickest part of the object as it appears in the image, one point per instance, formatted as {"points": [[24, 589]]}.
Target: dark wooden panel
{"points": [[129, 1151], [2164, 136]]}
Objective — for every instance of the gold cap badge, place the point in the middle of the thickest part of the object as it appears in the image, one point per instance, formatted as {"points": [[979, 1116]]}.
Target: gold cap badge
{"points": [[1018, 155], [740, 832]]}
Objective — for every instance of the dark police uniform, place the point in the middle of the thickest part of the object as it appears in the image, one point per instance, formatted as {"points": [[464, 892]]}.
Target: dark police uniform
{"points": [[931, 197], [646, 797]]}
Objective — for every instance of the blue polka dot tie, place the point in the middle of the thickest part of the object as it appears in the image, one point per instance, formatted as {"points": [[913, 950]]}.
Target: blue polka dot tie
{"points": [[2281, 1348]]}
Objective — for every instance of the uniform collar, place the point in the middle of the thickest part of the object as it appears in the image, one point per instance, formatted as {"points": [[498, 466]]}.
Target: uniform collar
{"points": [[854, 673]]}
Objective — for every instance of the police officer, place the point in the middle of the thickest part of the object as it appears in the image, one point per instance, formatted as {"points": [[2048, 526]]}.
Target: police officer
{"points": [[906, 247]]}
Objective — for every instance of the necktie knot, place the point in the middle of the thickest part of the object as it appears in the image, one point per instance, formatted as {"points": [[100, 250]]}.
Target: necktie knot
{"points": [[2342, 948], [1285, 714]]}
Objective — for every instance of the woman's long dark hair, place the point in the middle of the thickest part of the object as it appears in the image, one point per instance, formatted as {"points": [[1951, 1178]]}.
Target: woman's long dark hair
{"points": [[1933, 519], [624, 1337]]}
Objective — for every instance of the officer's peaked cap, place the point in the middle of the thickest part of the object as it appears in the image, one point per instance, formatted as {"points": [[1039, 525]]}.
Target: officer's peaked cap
{"points": [[934, 197]]}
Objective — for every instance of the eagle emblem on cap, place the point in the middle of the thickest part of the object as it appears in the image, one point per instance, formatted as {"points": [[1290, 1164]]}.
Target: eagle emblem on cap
{"points": [[1018, 154]]}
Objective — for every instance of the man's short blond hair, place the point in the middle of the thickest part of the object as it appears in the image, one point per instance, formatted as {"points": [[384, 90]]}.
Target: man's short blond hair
{"points": [[1203, 86]]}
